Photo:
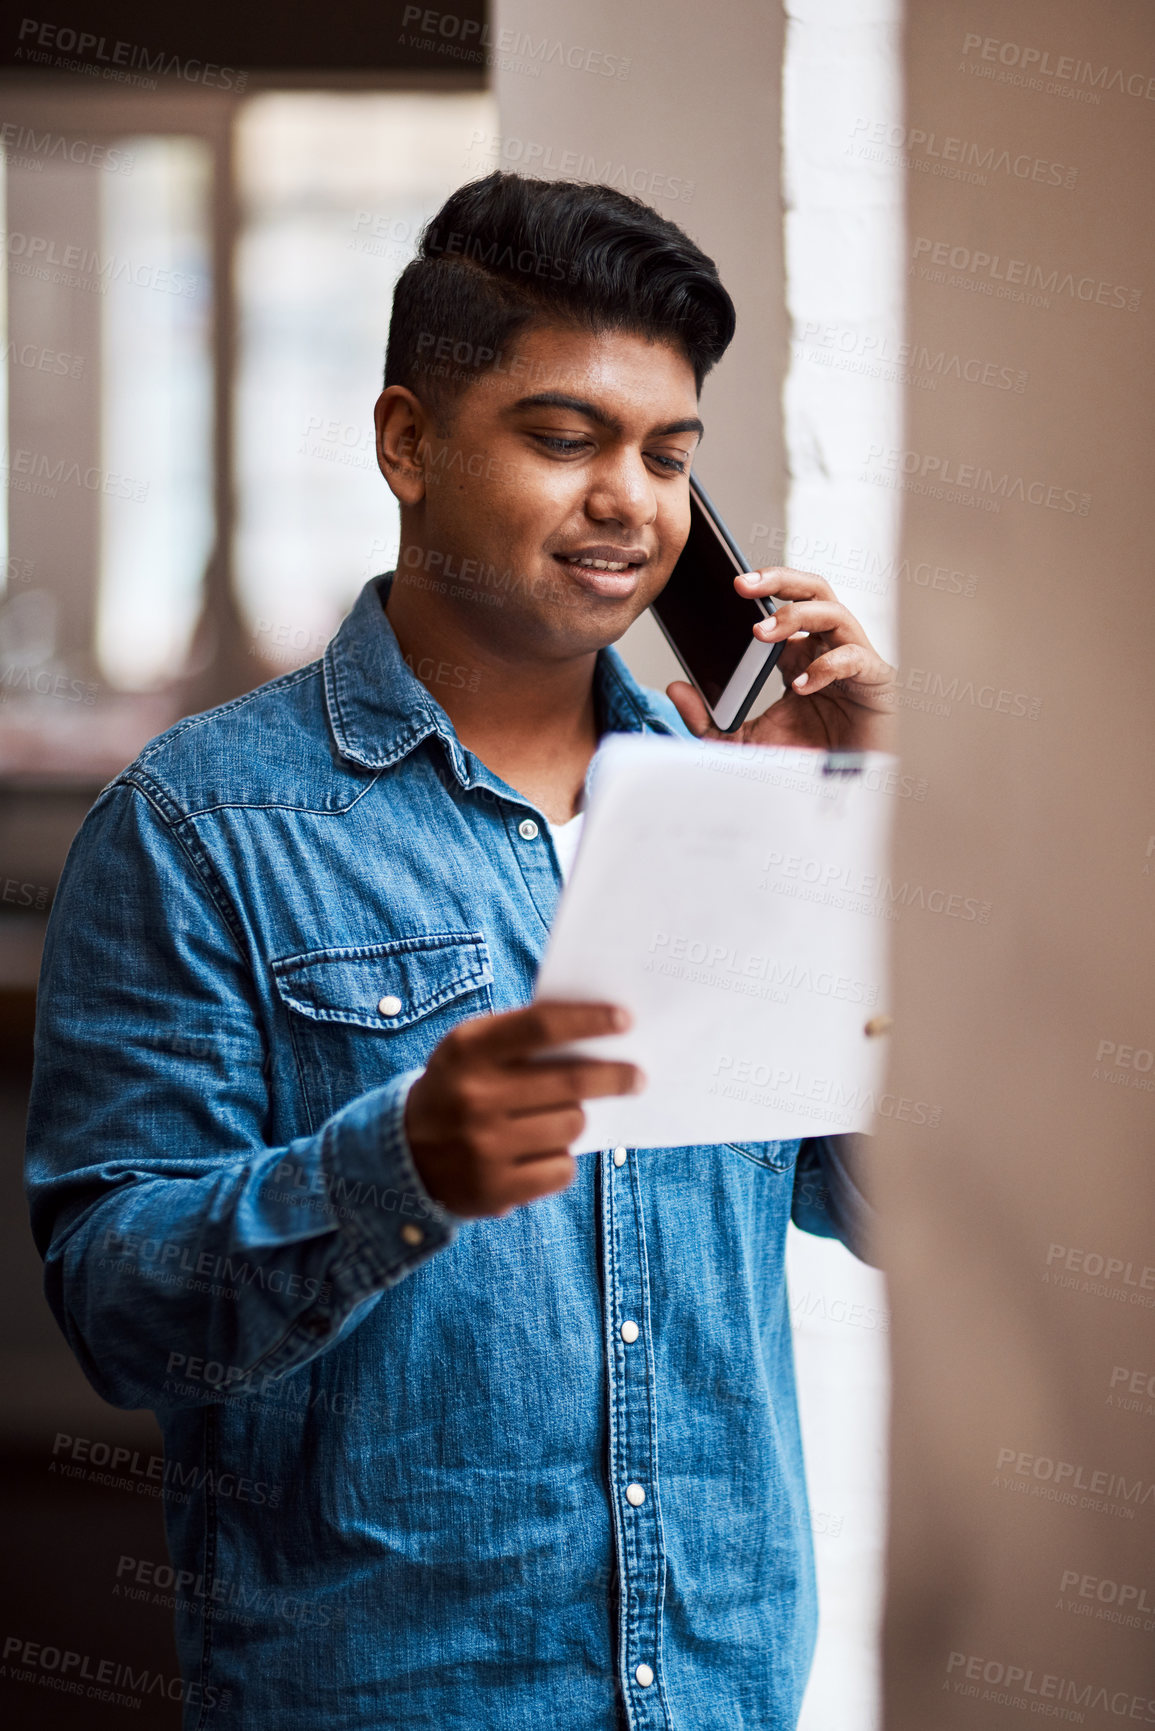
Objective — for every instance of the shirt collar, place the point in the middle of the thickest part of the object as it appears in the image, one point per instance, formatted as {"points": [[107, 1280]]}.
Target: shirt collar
{"points": [[379, 710]]}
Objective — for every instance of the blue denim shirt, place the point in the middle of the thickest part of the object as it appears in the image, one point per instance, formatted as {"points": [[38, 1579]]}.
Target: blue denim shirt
{"points": [[419, 1471]]}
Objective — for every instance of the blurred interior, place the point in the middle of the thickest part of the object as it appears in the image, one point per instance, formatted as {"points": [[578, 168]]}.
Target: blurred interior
{"points": [[197, 302], [195, 315]]}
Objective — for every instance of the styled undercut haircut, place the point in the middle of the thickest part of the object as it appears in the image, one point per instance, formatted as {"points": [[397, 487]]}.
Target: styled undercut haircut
{"points": [[508, 251]]}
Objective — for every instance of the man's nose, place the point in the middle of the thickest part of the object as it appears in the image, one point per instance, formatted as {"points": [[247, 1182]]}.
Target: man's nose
{"points": [[623, 493]]}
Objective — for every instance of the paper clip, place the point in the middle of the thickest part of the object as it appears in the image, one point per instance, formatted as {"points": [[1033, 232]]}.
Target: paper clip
{"points": [[843, 763]]}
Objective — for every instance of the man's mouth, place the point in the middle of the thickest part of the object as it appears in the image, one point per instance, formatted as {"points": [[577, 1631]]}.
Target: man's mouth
{"points": [[597, 564], [606, 570]]}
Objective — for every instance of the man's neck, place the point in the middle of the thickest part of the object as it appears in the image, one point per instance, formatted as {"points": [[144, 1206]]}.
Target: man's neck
{"points": [[532, 722]]}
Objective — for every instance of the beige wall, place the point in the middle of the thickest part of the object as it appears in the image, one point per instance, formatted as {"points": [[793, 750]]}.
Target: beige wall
{"points": [[1008, 1355], [1024, 995], [697, 108]]}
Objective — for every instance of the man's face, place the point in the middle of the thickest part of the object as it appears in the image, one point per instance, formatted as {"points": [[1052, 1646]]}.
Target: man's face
{"points": [[564, 477]]}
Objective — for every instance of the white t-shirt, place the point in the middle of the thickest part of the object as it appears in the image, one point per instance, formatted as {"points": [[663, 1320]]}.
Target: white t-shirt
{"points": [[565, 839]]}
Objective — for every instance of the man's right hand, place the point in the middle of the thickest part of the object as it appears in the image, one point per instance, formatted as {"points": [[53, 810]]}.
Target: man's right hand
{"points": [[489, 1129]]}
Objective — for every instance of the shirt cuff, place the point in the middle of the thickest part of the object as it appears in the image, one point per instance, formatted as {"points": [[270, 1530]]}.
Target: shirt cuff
{"points": [[387, 1218]]}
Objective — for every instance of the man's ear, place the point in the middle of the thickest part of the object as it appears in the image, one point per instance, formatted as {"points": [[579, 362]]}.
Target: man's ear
{"points": [[404, 427]]}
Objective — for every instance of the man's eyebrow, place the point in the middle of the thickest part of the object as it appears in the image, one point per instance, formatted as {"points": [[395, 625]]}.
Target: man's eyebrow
{"points": [[591, 411], [562, 400], [690, 425]]}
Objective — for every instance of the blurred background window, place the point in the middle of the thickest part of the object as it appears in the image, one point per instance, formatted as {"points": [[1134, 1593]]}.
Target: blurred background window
{"points": [[194, 338], [333, 191], [155, 384]]}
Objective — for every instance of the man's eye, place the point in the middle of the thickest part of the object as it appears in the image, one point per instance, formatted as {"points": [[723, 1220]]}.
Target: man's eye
{"points": [[553, 443], [676, 465]]}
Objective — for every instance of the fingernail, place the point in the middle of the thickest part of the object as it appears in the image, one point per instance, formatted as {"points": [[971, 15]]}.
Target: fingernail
{"points": [[637, 1086], [620, 1018], [801, 681]]}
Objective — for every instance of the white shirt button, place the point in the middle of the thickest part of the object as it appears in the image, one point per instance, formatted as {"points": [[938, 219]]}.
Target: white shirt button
{"points": [[629, 1332], [635, 1496], [390, 1006], [619, 1156], [643, 1676], [527, 829], [412, 1234]]}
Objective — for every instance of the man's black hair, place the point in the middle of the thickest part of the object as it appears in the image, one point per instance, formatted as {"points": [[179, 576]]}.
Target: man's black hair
{"points": [[508, 251]]}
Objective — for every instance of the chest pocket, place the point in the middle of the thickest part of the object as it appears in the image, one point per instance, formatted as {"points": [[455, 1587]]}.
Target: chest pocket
{"points": [[359, 1015], [778, 1156]]}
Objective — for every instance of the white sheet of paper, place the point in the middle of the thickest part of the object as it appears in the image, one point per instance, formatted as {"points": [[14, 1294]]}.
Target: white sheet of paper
{"points": [[734, 898]]}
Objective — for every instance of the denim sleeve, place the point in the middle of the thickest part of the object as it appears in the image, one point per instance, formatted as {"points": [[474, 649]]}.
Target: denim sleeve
{"points": [[828, 1200], [167, 1223]]}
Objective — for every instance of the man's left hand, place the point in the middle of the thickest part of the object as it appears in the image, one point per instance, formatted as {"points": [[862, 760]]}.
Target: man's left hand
{"points": [[840, 694]]}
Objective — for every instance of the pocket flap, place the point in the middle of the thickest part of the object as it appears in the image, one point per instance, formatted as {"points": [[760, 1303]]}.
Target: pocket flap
{"points": [[384, 986], [778, 1156]]}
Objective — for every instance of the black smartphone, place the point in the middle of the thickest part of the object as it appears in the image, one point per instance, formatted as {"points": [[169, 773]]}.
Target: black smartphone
{"points": [[708, 625]]}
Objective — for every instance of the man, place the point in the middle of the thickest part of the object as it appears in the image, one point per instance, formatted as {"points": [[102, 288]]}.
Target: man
{"points": [[460, 1431]]}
